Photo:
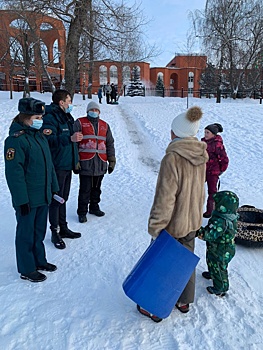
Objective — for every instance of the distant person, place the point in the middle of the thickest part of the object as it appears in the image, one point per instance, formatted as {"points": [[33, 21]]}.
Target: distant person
{"points": [[179, 195], [97, 155], [58, 129], [219, 235], [31, 179], [100, 94], [113, 93], [108, 92], [217, 164]]}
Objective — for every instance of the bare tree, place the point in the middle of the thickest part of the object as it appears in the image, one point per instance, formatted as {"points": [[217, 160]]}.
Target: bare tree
{"points": [[232, 33], [114, 26]]}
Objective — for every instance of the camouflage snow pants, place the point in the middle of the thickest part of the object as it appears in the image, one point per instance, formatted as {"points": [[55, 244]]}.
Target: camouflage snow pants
{"points": [[218, 257]]}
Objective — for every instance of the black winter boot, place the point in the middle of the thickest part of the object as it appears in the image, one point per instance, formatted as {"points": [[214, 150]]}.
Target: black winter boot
{"points": [[65, 232], [34, 276], [206, 275], [47, 267], [57, 240], [82, 219], [96, 212]]}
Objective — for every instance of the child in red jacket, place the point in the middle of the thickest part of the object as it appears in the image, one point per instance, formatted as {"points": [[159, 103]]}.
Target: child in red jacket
{"points": [[217, 163]]}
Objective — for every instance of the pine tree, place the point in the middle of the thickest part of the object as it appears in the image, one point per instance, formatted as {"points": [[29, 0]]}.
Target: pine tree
{"points": [[159, 87], [135, 88]]}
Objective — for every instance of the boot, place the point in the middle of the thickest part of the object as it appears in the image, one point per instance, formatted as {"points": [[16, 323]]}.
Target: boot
{"points": [[34, 276], [218, 293], [82, 219], [206, 275], [47, 267], [65, 232], [184, 308], [148, 314], [96, 211], [57, 240]]}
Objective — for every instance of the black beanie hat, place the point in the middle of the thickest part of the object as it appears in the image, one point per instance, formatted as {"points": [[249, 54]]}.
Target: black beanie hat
{"points": [[214, 128], [31, 106]]}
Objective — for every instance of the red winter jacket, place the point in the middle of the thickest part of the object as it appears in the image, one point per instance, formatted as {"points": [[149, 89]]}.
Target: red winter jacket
{"points": [[218, 159]]}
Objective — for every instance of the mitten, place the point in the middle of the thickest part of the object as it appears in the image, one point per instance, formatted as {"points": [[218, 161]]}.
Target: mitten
{"points": [[24, 209], [199, 233]]}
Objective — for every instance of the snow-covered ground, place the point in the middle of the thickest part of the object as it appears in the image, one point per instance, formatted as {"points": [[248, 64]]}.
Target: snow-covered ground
{"points": [[82, 306]]}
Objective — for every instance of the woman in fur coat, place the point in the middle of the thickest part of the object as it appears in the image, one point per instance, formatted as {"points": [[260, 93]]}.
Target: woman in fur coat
{"points": [[179, 195]]}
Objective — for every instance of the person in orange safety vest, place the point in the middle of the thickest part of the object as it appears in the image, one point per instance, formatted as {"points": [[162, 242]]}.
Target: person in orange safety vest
{"points": [[97, 156]]}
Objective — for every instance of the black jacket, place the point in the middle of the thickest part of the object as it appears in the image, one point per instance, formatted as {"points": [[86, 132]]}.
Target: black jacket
{"points": [[58, 128]]}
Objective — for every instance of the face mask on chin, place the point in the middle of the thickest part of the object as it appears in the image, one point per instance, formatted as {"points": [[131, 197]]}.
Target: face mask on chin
{"points": [[93, 114], [37, 124], [69, 109]]}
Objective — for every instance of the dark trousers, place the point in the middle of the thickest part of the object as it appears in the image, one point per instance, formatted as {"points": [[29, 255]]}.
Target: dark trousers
{"points": [[30, 234], [188, 293], [57, 211], [99, 99], [108, 98], [89, 193], [212, 181]]}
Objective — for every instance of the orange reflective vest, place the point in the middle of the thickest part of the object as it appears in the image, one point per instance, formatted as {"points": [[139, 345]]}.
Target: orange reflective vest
{"points": [[92, 144]]}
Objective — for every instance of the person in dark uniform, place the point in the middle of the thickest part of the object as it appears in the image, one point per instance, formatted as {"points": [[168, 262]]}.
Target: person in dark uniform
{"points": [[97, 155], [31, 179], [58, 129], [100, 94], [113, 93]]}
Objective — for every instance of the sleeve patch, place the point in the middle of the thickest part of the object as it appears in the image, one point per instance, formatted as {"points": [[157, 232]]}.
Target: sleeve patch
{"points": [[10, 154], [47, 131], [19, 133]]}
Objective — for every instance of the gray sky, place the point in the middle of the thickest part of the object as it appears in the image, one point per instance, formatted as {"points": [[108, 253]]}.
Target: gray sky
{"points": [[169, 26]]}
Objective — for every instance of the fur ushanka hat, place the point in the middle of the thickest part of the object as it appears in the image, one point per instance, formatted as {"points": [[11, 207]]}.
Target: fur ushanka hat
{"points": [[31, 106], [187, 124]]}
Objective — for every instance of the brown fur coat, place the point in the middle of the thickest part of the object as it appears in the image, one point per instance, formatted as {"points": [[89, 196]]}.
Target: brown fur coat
{"points": [[179, 196]]}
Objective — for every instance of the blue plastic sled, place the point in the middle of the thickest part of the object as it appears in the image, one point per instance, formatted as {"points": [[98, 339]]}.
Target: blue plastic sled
{"points": [[160, 276]]}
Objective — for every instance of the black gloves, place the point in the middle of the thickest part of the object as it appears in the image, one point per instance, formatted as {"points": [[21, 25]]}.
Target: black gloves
{"points": [[112, 162], [77, 168], [24, 209]]}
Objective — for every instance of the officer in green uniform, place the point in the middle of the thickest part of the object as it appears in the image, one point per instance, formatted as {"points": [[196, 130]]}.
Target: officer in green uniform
{"points": [[58, 129], [31, 179], [219, 235]]}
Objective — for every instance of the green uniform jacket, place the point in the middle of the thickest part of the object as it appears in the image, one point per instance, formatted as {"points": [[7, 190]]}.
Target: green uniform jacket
{"points": [[29, 170], [58, 128]]}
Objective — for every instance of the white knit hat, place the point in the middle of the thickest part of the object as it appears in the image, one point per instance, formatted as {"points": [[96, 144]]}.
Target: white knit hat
{"points": [[187, 124], [93, 105]]}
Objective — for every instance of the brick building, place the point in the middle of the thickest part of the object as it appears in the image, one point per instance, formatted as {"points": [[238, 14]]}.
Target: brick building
{"points": [[181, 73], [33, 31]]}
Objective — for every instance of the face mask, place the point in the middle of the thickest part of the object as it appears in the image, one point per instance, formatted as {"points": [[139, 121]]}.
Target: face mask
{"points": [[37, 123], [93, 114], [69, 109]]}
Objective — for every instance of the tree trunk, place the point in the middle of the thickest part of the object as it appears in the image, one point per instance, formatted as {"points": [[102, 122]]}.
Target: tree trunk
{"points": [[91, 51], [26, 92], [72, 48]]}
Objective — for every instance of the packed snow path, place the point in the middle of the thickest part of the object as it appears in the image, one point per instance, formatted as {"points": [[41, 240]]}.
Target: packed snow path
{"points": [[82, 306]]}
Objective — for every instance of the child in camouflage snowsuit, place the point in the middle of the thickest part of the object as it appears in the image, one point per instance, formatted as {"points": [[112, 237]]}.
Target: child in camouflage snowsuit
{"points": [[219, 235]]}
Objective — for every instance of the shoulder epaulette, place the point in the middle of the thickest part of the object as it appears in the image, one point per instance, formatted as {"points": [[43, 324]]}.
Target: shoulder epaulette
{"points": [[19, 133]]}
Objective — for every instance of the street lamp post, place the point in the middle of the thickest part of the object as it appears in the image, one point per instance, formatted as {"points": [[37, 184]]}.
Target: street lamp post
{"points": [[60, 75]]}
